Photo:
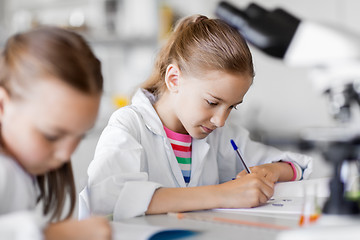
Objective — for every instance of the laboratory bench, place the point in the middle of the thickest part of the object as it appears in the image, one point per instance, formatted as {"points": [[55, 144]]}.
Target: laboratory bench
{"points": [[205, 225]]}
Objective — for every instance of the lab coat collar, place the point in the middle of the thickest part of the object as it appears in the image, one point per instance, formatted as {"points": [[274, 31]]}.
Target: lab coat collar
{"points": [[198, 160], [143, 101]]}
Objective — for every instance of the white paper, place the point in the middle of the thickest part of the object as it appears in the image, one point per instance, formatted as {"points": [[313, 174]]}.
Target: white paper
{"points": [[290, 205], [289, 197]]}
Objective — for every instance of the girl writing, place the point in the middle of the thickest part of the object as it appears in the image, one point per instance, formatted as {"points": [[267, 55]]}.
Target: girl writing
{"points": [[170, 151], [50, 89]]}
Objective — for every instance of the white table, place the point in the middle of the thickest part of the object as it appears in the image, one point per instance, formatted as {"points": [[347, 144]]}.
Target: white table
{"points": [[211, 229]]}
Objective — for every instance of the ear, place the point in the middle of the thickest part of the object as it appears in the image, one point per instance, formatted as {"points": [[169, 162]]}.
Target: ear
{"points": [[172, 77], [4, 98]]}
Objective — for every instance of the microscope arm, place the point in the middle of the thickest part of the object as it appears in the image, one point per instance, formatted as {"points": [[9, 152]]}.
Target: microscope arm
{"points": [[332, 54], [271, 32]]}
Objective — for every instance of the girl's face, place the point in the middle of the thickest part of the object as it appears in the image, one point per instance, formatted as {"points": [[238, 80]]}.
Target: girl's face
{"points": [[203, 104], [41, 129]]}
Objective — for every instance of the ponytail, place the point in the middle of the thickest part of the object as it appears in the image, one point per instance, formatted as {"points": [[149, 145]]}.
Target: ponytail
{"points": [[198, 44]]}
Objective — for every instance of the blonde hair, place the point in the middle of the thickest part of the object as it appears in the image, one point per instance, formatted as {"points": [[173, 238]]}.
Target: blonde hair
{"points": [[199, 44], [56, 52]]}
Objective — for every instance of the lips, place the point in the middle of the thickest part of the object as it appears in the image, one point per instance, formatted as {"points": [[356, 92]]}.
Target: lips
{"points": [[207, 130]]}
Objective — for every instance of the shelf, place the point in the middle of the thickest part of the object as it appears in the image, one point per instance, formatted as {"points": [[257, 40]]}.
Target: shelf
{"points": [[115, 41], [44, 5]]}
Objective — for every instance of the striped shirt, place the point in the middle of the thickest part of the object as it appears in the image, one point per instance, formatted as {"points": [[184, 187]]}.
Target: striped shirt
{"points": [[181, 145]]}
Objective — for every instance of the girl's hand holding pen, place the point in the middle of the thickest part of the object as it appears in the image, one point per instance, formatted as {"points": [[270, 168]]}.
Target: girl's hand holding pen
{"points": [[249, 190], [274, 172], [93, 228]]}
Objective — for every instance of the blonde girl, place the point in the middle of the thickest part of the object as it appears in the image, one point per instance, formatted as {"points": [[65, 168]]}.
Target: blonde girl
{"points": [[50, 88], [170, 151]]}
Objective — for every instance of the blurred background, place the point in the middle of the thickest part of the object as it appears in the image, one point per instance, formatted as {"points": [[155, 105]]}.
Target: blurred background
{"points": [[127, 34]]}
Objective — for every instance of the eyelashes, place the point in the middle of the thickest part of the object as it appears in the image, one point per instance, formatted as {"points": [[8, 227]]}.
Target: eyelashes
{"points": [[51, 138], [211, 103]]}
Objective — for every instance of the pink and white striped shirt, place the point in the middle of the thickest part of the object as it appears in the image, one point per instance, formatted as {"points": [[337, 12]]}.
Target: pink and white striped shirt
{"points": [[181, 144]]}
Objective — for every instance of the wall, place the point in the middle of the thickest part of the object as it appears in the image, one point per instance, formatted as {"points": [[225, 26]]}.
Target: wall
{"points": [[2, 24], [282, 95]]}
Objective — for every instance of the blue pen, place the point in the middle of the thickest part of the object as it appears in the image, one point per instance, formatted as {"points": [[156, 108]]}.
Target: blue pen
{"points": [[238, 153]]}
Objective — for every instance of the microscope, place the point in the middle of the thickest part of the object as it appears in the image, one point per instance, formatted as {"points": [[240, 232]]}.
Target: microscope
{"points": [[333, 58]]}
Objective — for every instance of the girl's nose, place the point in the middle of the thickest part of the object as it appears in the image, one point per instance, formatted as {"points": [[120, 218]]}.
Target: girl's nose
{"points": [[219, 118], [65, 150]]}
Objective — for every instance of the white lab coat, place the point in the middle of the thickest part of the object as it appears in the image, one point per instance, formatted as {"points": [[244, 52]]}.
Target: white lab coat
{"points": [[134, 157], [18, 218]]}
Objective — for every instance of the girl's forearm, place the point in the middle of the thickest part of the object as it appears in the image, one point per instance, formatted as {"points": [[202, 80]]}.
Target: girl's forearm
{"points": [[167, 200], [286, 171], [247, 191]]}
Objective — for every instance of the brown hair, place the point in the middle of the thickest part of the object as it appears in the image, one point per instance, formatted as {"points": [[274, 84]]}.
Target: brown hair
{"points": [[56, 52], [198, 44]]}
